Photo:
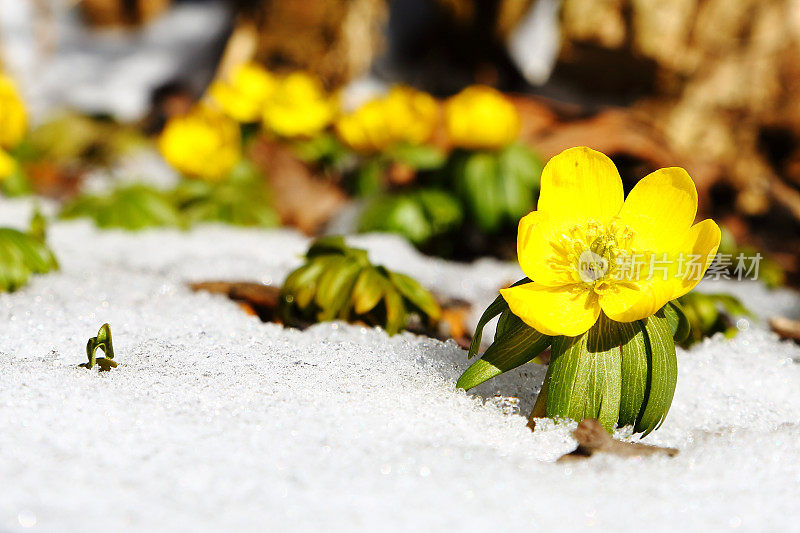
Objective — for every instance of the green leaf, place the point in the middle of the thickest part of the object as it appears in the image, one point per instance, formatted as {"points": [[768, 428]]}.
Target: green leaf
{"points": [[419, 215], [333, 244], [731, 304], [395, 312], [38, 225], [442, 208], [498, 306], [338, 281], [20, 256], [634, 374], [397, 214], [341, 290], [416, 294], [678, 322], [663, 373], [323, 147], [518, 345], [566, 394], [369, 177], [367, 291], [13, 273], [36, 255], [519, 173], [479, 190], [328, 281], [503, 323], [300, 287], [586, 374], [523, 163], [132, 207], [603, 346], [420, 157], [242, 199], [16, 184]]}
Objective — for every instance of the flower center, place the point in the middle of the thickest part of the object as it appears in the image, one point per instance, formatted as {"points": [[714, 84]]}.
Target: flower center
{"points": [[591, 254]]}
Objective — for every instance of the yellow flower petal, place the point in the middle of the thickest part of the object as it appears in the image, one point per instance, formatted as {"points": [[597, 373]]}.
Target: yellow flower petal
{"points": [[524, 233], [481, 118], [660, 209], [553, 311], [673, 275], [538, 239], [8, 165], [636, 300], [700, 243], [13, 117], [581, 183]]}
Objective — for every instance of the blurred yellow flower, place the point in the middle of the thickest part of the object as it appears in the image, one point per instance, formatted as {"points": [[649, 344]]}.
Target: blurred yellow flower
{"points": [[588, 250], [403, 116], [205, 143], [13, 118], [299, 107], [7, 165], [245, 93], [480, 117]]}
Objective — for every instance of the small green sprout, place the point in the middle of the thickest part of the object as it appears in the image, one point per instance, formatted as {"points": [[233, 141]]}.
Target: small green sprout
{"points": [[103, 342], [339, 282]]}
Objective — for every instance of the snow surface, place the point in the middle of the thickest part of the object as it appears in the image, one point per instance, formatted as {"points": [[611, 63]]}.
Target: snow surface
{"points": [[214, 421]]}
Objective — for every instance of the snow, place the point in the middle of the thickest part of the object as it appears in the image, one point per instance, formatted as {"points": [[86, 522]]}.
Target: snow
{"points": [[216, 421]]}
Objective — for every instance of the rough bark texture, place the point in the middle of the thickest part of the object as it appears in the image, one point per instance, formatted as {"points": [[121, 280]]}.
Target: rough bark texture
{"points": [[336, 39], [715, 77], [122, 12]]}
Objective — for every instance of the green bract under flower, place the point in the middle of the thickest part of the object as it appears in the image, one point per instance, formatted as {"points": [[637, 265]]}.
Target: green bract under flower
{"points": [[618, 373], [339, 283]]}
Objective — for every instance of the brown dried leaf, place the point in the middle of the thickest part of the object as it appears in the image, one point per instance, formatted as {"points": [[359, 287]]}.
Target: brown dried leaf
{"points": [[785, 328], [255, 298], [302, 199], [592, 438]]}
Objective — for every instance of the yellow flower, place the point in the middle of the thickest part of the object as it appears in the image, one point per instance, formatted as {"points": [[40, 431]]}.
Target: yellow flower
{"points": [[204, 143], [403, 116], [244, 95], [480, 117], [7, 165], [299, 107], [588, 250], [13, 118]]}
